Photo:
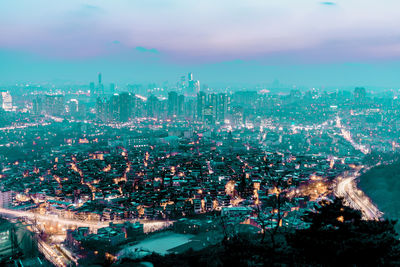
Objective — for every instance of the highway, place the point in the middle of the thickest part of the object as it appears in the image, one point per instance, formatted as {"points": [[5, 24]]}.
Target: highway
{"points": [[346, 188], [346, 185], [51, 254], [347, 136], [58, 255], [148, 226], [52, 218]]}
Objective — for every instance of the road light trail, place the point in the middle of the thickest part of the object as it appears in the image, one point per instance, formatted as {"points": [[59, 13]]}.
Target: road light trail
{"points": [[148, 226], [39, 217], [61, 257], [346, 185], [346, 188], [347, 135], [50, 254]]}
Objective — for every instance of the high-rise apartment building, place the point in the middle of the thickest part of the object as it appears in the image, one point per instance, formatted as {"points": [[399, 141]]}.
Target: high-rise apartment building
{"points": [[54, 105]]}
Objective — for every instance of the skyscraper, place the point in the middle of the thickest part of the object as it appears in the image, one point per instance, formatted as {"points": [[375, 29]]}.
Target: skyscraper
{"points": [[152, 106], [190, 109], [6, 100], [182, 83], [125, 106], [37, 105], [137, 106], [112, 88], [172, 104], [54, 105], [212, 107], [100, 86], [114, 107], [222, 107], [102, 109], [92, 88], [201, 102], [193, 86], [181, 106], [99, 76], [359, 93], [73, 107]]}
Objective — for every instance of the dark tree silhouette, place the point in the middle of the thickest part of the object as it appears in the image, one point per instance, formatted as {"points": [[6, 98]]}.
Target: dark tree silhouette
{"points": [[338, 236]]}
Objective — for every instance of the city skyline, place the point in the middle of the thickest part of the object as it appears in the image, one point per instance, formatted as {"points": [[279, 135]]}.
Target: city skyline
{"points": [[168, 133]]}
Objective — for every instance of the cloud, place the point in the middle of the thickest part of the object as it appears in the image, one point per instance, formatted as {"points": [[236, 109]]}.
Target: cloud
{"points": [[217, 31], [328, 3], [146, 50], [92, 8], [86, 11]]}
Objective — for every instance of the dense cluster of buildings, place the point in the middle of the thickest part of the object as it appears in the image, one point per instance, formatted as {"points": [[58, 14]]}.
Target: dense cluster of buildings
{"points": [[181, 155], [118, 174]]}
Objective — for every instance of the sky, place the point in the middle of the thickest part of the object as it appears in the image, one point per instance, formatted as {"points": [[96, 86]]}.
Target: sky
{"points": [[298, 42]]}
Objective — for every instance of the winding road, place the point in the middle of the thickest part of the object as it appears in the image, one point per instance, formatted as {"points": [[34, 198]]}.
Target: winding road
{"points": [[346, 185], [346, 188]]}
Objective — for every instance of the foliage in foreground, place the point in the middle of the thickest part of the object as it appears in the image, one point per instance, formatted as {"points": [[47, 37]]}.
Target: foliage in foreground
{"points": [[337, 236]]}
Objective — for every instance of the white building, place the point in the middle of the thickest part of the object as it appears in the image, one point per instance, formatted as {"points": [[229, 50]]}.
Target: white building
{"points": [[6, 101]]}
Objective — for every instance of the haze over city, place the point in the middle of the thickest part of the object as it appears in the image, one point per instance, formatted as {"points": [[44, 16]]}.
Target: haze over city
{"points": [[199, 133]]}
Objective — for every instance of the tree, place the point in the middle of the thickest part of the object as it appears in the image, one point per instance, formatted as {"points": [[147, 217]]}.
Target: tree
{"points": [[338, 235], [270, 218], [228, 225]]}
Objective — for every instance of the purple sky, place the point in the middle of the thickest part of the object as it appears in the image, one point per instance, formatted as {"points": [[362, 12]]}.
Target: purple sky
{"points": [[192, 32]]}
